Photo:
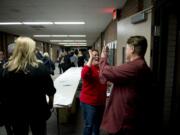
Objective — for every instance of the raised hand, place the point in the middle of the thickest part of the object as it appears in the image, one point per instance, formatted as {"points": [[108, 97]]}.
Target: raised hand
{"points": [[105, 51], [90, 54]]}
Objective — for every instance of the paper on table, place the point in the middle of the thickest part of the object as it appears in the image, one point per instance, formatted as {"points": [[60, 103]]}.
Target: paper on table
{"points": [[67, 84], [63, 101]]}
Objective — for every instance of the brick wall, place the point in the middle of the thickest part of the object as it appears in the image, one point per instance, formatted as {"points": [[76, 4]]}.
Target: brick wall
{"points": [[130, 8], [133, 6], [97, 45], [5, 40], [110, 35]]}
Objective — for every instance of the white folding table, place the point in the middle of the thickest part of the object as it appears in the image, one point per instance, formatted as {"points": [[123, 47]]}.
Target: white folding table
{"points": [[66, 87]]}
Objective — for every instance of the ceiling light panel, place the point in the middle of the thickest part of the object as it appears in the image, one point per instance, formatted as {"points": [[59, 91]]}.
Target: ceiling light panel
{"points": [[77, 41], [37, 23], [42, 35], [77, 35], [69, 23], [10, 23], [73, 43], [42, 23], [59, 35]]}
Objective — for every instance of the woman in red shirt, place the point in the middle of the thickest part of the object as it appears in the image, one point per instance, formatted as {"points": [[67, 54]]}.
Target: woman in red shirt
{"points": [[93, 95]]}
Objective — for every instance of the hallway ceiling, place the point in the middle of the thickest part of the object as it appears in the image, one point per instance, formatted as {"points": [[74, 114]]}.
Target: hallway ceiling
{"points": [[95, 13]]}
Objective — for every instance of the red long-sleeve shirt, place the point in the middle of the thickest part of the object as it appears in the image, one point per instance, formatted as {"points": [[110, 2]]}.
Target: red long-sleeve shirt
{"points": [[93, 92]]}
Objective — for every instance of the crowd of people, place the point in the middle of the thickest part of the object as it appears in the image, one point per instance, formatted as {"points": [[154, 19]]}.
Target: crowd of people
{"points": [[72, 58], [25, 77]]}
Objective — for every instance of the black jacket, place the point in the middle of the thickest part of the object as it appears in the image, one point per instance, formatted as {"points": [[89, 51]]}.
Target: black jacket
{"points": [[24, 93]]}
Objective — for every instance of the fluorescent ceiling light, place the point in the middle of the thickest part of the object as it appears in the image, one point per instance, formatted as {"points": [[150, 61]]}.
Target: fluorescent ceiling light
{"points": [[42, 35], [59, 35], [10, 23], [77, 35], [37, 23], [50, 35], [72, 43], [76, 41], [69, 23], [41, 23]]}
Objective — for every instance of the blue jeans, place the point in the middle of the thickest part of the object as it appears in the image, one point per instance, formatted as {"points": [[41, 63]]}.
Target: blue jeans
{"points": [[92, 118]]}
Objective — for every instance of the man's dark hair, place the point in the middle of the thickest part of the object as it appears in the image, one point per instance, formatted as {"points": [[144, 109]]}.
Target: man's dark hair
{"points": [[139, 43]]}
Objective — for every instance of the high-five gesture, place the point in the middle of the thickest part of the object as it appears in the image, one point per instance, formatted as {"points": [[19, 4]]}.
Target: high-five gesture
{"points": [[90, 54], [90, 58], [93, 58], [105, 51]]}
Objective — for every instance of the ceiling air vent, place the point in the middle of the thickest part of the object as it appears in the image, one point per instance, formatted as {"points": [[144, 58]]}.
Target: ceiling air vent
{"points": [[37, 27]]}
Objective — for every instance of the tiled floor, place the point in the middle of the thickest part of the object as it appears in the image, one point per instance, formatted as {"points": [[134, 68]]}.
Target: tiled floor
{"points": [[73, 127]]}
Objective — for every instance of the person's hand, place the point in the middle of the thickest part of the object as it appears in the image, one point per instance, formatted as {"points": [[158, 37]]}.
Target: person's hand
{"points": [[90, 58], [105, 51], [90, 54]]}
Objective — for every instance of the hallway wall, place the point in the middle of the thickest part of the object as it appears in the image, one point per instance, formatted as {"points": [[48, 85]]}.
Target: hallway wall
{"points": [[8, 38], [127, 29]]}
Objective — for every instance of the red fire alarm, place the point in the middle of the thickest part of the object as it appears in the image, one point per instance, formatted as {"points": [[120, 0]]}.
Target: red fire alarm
{"points": [[116, 14]]}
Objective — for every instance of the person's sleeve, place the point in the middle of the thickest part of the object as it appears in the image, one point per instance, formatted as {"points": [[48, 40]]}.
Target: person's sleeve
{"points": [[120, 74], [86, 72], [53, 65], [50, 89], [48, 81]]}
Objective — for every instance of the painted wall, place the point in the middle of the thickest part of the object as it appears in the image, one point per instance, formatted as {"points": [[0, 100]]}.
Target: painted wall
{"points": [[54, 52], [127, 29]]}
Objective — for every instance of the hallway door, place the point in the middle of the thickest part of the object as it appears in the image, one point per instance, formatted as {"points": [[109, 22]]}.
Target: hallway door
{"points": [[176, 94]]}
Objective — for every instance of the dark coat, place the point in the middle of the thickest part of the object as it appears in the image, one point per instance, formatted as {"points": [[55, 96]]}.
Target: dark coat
{"points": [[80, 61], [24, 93], [49, 65]]}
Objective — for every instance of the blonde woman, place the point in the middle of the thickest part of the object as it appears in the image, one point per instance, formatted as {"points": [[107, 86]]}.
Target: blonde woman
{"points": [[27, 82]]}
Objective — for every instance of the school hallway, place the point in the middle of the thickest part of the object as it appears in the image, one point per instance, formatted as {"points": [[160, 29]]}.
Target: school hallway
{"points": [[67, 30]]}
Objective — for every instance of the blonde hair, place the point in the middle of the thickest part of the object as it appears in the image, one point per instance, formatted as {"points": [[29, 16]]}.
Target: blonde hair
{"points": [[23, 55]]}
